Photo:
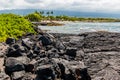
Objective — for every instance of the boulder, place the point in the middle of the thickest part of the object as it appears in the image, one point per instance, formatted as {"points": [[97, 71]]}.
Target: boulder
{"points": [[45, 72], [13, 65], [45, 40], [16, 50], [20, 62]]}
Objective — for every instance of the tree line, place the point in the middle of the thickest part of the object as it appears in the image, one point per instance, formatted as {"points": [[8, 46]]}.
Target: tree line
{"points": [[49, 15]]}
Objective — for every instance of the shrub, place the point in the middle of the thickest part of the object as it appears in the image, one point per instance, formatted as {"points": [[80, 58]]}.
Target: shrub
{"points": [[12, 25], [34, 17]]}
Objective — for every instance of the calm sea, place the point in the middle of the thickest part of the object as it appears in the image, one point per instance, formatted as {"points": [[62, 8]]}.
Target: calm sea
{"points": [[81, 27]]}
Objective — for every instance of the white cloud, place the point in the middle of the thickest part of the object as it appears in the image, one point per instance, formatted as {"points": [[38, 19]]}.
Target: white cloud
{"points": [[74, 5]]}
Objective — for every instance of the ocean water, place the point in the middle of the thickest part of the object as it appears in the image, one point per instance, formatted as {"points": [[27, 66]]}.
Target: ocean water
{"points": [[61, 12], [81, 27]]}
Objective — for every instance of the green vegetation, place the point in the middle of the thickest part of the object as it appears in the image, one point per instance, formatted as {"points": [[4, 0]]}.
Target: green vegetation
{"points": [[34, 16], [39, 16], [12, 25], [67, 18]]}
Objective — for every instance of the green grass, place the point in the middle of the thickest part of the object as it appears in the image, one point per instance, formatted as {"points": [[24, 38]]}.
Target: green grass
{"points": [[12, 25]]}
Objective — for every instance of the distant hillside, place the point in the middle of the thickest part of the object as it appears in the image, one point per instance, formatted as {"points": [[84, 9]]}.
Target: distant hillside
{"points": [[68, 13]]}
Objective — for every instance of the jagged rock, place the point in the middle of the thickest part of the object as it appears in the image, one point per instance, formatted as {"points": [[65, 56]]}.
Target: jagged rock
{"points": [[36, 49], [18, 75], [59, 45], [27, 43], [71, 51], [74, 40], [45, 72], [72, 70], [29, 76], [10, 41], [45, 40], [31, 66], [4, 76], [16, 50], [25, 60], [107, 74], [66, 57], [30, 54], [19, 63], [12, 65], [80, 54], [52, 53], [47, 69]]}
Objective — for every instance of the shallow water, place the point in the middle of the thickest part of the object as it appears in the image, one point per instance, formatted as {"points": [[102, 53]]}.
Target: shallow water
{"points": [[80, 27]]}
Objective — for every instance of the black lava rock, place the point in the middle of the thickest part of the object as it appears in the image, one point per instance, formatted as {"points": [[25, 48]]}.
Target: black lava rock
{"points": [[12, 65], [71, 51], [10, 41], [45, 40]]}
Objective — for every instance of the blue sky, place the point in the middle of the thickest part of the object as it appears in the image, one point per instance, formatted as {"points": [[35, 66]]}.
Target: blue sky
{"points": [[105, 6]]}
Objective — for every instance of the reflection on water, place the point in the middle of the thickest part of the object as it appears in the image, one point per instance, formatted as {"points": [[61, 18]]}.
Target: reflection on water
{"points": [[80, 27]]}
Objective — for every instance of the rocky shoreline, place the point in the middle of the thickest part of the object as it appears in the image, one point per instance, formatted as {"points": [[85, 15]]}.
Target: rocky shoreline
{"points": [[87, 56], [49, 23]]}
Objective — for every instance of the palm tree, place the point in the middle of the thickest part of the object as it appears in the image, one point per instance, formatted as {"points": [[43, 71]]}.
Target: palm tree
{"points": [[36, 12], [48, 13], [51, 12], [41, 12]]}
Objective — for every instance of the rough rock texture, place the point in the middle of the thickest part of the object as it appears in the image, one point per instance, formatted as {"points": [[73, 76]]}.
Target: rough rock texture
{"points": [[99, 51], [87, 56]]}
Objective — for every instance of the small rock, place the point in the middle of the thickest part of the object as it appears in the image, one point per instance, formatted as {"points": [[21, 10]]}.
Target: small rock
{"points": [[31, 66], [71, 51], [27, 43], [36, 49], [10, 41], [60, 46]]}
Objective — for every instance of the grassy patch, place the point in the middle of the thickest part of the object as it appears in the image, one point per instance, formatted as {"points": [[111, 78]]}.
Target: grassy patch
{"points": [[12, 25]]}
